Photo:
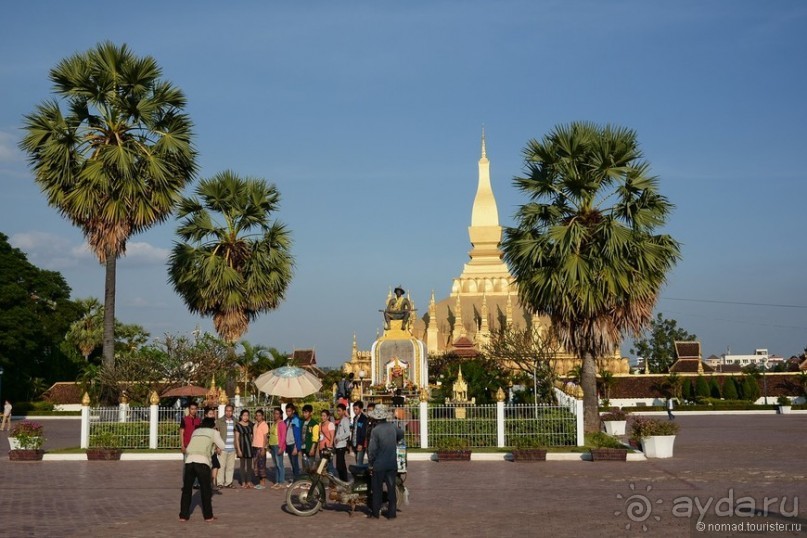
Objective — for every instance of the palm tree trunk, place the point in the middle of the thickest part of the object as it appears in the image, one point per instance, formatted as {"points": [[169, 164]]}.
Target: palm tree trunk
{"points": [[109, 312], [588, 380]]}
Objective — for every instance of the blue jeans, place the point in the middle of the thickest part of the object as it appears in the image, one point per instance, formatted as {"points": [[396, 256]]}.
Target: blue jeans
{"points": [[277, 459], [295, 461], [359, 456]]}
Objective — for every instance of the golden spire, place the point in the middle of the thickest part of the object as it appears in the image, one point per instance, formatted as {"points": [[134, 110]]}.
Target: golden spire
{"points": [[458, 316], [355, 353], [484, 213], [484, 152], [508, 310], [483, 327]]}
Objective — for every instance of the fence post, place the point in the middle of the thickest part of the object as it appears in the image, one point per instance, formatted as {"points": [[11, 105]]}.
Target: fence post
{"points": [[123, 409], [580, 431], [154, 418], [500, 418], [84, 442], [424, 419]]}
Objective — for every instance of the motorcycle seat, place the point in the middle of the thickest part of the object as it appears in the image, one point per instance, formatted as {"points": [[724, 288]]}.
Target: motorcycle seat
{"points": [[358, 471]]}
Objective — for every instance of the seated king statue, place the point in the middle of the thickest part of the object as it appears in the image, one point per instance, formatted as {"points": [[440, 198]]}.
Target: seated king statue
{"points": [[398, 307]]}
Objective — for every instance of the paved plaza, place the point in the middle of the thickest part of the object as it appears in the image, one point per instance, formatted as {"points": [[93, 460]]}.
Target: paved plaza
{"points": [[716, 458]]}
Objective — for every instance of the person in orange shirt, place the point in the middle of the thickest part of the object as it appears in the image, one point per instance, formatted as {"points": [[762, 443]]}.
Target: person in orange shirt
{"points": [[260, 434]]}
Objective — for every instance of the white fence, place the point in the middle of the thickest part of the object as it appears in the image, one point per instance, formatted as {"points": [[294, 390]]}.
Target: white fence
{"points": [[496, 425]]}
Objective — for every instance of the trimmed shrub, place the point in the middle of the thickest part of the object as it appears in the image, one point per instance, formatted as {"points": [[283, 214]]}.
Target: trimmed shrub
{"points": [[686, 390], [714, 389], [702, 387], [730, 389], [750, 388]]}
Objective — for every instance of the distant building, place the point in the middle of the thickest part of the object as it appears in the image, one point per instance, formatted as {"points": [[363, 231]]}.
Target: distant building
{"points": [[761, 359]]}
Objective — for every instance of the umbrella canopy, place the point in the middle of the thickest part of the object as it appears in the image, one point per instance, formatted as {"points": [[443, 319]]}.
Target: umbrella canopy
{"points": [[288, 382], [187, 390]]}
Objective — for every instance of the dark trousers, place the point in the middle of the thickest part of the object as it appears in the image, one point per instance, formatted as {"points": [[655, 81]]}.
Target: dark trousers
{"points": [[341, 466], [201, 472], [245, 471], [379, 478], [295, 462]]}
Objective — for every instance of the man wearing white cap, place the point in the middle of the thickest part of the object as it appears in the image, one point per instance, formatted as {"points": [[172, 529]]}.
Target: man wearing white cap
{"points": [[383, 461]]}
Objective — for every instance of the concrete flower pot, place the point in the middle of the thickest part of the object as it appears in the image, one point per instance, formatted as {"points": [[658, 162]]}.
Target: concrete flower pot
{"points": [[26, 455], [784, 409], [615, 427], [658, 446], [453, 455]]}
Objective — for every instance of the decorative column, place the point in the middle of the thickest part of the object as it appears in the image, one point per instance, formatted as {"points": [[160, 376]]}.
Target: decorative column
{"points": [[580, 431], [123, 408], [500, 418], [84, 442], [424, 418], [154, 418]]}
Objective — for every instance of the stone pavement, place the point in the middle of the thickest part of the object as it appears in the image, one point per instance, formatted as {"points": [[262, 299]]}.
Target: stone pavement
{"points": [[717, 457]]}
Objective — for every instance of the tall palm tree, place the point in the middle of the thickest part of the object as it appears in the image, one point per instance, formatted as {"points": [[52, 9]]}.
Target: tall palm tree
{"points": [[87, 332], [115, 160], [584, 251], [235, 261]]}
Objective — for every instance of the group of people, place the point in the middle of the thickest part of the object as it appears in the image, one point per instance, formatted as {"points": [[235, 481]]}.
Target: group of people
{"points": [[211, 445]]}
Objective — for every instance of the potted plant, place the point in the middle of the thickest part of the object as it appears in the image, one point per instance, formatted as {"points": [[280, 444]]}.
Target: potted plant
{"points": [[104, 446], [657, 436], [453, 449], [784, 404], [615, 421], [606, 448], [26, 440], [528, 449]]}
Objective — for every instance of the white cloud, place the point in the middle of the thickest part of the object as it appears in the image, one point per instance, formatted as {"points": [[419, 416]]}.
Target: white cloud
{"points": [[8, 148], [56, 252], [140, 253]]}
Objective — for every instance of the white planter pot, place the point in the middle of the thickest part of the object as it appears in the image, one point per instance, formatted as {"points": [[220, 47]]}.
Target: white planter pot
{"points": [[13, 443], [658, 446], [615, 427], [784, 409]]}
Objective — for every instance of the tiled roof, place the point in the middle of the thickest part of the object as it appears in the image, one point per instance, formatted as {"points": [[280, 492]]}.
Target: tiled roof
{"points": [[305, 357], [690, 366], [688, 350], [463, 347], [63, 393]]}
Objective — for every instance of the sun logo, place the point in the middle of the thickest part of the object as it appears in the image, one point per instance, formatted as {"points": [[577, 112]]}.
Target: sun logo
{"points": [[638, 507]]}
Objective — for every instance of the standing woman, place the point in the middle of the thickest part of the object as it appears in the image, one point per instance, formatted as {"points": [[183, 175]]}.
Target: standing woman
{"points": [[276, 433], [211, 412], [243, 447], [260, 432], [327, 430]]}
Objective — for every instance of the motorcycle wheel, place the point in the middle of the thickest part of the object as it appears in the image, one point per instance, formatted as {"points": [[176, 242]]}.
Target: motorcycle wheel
{"points": [[300, 503]]}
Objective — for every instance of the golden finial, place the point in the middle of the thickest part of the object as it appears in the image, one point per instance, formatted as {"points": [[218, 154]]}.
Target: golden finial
{"points": [[500, 395], [154, 399], [484, 151], [424, 395], [223, 399], [237, 390], [85, 400], [213, 383], [123, 398]]}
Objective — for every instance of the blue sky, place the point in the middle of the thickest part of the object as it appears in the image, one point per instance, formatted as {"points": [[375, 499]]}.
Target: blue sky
{"points": [[367, 116]]}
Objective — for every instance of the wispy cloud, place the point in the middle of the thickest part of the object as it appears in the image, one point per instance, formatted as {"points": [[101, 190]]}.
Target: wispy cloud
{"points": [[8, 148], [56, 252]]}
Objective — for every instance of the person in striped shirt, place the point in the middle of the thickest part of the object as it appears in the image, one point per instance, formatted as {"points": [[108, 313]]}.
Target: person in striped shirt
{"points": [[226, 427]]}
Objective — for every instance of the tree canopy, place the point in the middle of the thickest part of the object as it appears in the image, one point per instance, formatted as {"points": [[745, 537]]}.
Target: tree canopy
{"points": [[657, 343]]}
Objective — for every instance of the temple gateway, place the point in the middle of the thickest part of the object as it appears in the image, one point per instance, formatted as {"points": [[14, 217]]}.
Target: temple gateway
{"points": [[483, 298]]}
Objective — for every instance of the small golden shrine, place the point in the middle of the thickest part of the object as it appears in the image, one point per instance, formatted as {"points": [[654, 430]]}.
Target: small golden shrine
{"points": [[459, 396]]}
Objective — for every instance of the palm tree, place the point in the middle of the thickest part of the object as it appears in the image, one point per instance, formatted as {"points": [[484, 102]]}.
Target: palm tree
{"points": [[115, 160], [234, 262], [584, 251], [87, 332]]}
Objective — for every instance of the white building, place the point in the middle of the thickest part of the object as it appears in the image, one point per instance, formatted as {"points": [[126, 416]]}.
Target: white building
{"points": [[761, 358]]}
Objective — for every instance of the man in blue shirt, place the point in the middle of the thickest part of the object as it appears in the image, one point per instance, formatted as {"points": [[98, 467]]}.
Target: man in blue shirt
{"points": [[294, 438]]}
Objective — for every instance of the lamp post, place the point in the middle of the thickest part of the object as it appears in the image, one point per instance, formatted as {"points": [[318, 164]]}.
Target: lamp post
{"points": [[1, 385], [765, 379], [362, 374]]}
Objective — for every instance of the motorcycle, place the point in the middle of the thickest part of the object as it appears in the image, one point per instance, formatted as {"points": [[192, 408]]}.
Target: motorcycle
{"points": [[309, 494]]}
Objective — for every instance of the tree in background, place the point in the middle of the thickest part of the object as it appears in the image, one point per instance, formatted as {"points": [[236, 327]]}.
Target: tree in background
{"points": [[714, 389], [116, 158], [234, 261], [750, 388], [686, 390], [701, 387], [86, 334], [528, 352], [584, 250], [657, 343], [35, 313]]}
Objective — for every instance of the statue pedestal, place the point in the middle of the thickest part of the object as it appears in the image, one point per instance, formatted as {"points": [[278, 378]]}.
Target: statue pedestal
{"points": [[398, 358]]}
